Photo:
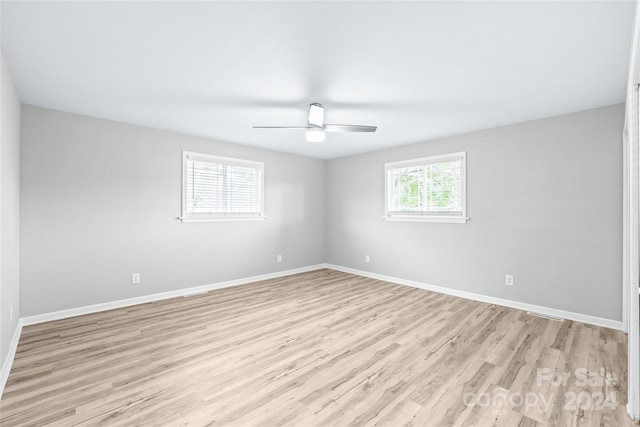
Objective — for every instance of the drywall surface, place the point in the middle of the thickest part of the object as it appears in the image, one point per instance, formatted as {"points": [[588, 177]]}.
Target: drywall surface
{"points": [[100, 201], [545, 202], [9, 209]]}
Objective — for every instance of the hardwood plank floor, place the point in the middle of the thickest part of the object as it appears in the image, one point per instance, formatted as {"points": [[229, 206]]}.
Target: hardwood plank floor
{"points": [[321, 348]]}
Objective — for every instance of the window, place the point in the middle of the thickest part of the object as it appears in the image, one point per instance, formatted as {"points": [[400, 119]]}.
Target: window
{"points": [[426, 189], [220, 188]]}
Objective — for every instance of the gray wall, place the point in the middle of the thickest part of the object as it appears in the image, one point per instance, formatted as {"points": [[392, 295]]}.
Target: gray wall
{"points": [[9, 208], [99, 201], [545, 202]]}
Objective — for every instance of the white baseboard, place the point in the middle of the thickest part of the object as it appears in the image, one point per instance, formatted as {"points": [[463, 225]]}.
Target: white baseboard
{"points": [[8, 363], [95, 308], [579, 317], [79, 311]]}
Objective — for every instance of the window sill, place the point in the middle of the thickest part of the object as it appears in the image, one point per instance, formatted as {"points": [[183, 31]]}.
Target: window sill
{"points": [[446, 219], [223, 219]]}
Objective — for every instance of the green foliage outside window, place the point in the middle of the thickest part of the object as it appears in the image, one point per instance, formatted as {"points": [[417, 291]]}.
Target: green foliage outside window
{"points": [[434, 187]]}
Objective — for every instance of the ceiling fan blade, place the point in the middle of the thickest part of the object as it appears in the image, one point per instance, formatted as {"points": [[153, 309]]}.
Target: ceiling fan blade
{"points": [[349, 128], [316, 115], [281, 127]]}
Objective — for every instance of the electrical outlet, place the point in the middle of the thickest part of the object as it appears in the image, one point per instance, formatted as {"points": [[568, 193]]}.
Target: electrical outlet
{"points": [[279, 258], [135, 278], [11, 313], [367, 258], [508, 280]]}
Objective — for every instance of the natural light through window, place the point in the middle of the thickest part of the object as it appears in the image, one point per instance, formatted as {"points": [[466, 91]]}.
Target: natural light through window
{"points": [[427, 189], [221, 188]]}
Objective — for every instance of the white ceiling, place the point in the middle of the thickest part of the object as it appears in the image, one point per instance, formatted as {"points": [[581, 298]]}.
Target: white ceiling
{"points": [[417, 70]]}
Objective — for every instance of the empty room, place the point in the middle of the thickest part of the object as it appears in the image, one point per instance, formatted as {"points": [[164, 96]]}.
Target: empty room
{"points": [[319, 213]]}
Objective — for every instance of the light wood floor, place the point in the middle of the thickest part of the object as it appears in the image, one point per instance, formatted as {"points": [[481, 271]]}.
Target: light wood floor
{"points": [[321, 348]]}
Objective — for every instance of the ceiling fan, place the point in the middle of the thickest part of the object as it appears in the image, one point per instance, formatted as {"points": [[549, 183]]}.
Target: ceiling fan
{"points": [[316, 126]]}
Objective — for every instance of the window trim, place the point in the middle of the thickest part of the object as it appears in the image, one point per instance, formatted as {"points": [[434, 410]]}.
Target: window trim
{"points": [[440, 158], [226, 161]]}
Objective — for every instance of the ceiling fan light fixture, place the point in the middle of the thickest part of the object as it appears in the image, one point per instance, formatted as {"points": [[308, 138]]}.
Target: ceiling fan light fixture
{"points": [[316, 115], [315, 135], [316, 127]]}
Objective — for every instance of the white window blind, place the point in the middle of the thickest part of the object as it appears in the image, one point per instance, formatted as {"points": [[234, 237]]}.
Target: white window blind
{"points": [[217, 188], [427, 189]]}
